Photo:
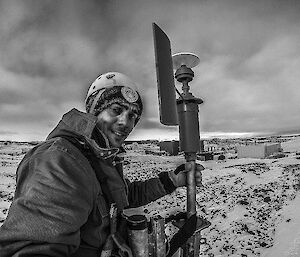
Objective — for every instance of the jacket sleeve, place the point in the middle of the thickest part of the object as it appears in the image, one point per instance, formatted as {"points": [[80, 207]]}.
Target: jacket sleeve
{"points": [[52, 201], [144, 192]]}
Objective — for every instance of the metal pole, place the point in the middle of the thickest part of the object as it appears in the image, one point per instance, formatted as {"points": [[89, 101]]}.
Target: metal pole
{"points": [[189, 249], [191, 184], [189, 133]]}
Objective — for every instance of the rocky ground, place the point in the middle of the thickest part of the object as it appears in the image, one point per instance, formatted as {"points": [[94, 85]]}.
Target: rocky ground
{"points": [[252, 204]]}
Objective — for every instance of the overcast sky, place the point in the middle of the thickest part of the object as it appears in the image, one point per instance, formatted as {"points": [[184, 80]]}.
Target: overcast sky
{"points": [[248, 77]]}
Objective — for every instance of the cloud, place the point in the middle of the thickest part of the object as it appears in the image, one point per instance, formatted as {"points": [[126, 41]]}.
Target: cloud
{"points": [[50, 52], [3, 132]]}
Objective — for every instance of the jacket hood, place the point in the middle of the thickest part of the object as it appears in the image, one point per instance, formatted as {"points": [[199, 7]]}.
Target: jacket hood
{"points": [[80, 125]]}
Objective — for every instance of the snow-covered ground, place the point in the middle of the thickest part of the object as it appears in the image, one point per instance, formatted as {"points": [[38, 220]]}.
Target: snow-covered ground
{"points": [[253, 204]]}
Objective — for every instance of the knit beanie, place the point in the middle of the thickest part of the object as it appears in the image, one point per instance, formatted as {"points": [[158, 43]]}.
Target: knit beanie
{"points": [[110, 88]]}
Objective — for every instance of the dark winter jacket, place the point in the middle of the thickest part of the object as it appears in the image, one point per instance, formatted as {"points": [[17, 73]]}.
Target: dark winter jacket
{"points": [[62, 197]]}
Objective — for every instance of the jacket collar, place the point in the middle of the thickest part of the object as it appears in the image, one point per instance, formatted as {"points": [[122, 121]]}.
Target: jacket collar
{"points": [[82, 126]]}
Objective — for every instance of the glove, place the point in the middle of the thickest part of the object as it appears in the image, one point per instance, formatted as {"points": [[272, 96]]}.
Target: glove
{"points": [[178, 176]]}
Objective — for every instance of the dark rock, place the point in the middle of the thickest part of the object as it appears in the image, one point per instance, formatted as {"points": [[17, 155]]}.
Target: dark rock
{"points": [[263, 244], [243, 202]]}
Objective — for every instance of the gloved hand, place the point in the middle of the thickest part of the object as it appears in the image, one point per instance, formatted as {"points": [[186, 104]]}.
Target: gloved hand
{"points": [[178, 176]]}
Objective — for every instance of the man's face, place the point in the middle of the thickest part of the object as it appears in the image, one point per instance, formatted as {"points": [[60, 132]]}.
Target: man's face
{"points": [[116, 122]]}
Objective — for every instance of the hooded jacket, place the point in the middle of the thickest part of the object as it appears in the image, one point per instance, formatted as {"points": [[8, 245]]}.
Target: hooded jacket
{"points": [[62, 198]]}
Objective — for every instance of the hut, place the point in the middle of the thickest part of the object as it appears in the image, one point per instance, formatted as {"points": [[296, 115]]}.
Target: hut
{"points": [[258, 150], [171, 147]]}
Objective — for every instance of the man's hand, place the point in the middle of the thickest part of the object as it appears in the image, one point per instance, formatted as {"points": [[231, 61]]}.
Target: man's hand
{"points": [[178, 176]]}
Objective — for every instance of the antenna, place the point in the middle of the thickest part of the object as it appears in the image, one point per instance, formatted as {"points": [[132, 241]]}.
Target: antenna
{"points": [[188, 59]]}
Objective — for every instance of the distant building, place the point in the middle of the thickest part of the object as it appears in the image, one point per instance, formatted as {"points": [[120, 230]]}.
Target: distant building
{"points": [[171, 147], [201, 146], [257, 150], [210, 148], [205, 156]]}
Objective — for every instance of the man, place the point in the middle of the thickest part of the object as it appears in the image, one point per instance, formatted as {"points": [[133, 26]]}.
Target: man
{"points": [[66, 185]]}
